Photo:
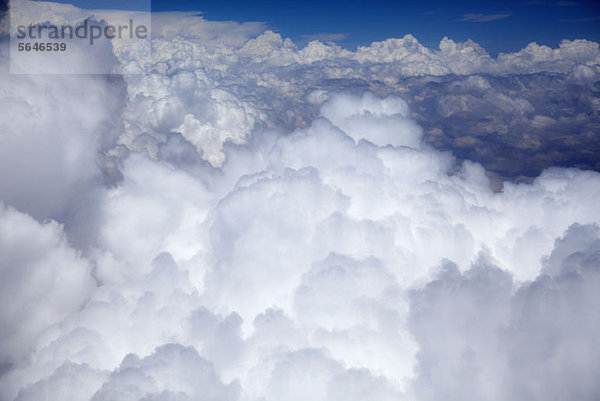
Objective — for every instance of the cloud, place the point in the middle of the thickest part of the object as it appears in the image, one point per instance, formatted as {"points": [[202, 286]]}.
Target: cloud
{"points": [[286, 275], [171, 372], [483, 17], [44, 280], [251, 220], [496, 336], [586, 19], [553, 3], [51, 143], [192, 25], [566, 3], [326, 37], [395, 66]]}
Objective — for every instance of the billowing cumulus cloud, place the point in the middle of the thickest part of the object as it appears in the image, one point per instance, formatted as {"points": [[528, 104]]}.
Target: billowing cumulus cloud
{"points": [[249, 220], [482, 337], [266, 80], [43, 281]]}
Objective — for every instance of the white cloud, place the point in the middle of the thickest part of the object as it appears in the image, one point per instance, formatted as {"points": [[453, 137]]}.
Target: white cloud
{"points": [[171, 372], [267, 228], [533, 341], [329, 227], [51, 141], [43, 281]]}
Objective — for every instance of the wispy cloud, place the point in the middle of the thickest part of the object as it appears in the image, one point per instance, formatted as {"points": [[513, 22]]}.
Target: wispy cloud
{"points": [[586, 19], [326, 37], [483, 17], [552, 3]]}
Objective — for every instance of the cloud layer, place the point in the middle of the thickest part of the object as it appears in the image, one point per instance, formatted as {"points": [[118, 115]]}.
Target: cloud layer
{"points": [[246, 220]]}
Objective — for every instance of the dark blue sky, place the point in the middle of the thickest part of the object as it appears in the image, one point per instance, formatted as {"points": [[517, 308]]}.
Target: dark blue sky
{"points": [[497, 26]]}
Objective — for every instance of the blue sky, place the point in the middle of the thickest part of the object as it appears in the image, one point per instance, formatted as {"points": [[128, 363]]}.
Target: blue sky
{"points": [[497, 26]]}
